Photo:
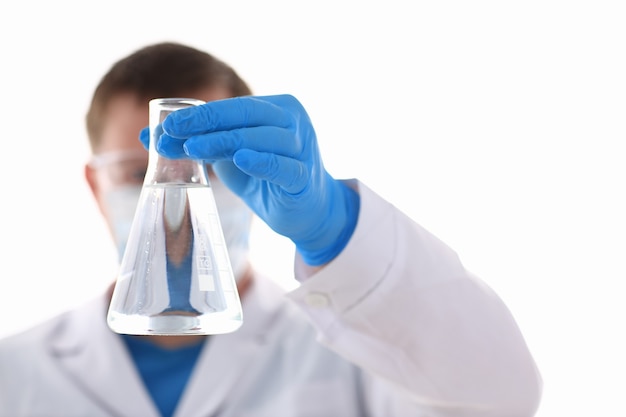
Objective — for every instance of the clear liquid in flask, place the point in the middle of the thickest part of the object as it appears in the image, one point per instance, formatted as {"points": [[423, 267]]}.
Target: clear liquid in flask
{"points": [[175, 277]]}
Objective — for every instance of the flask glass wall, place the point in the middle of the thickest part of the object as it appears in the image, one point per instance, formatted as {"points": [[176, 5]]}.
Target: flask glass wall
{"points": [[175, 276]]}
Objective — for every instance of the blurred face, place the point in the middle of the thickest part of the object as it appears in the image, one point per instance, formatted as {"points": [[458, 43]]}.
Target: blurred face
{"points": [[118, 167], [117, 170]]}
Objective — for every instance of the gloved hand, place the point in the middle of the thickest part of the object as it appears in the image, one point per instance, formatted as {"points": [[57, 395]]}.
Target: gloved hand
{"points": [[265, 150]]}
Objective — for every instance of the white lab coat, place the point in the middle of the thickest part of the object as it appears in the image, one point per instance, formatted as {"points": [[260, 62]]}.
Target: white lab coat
{"points": [[399, 328]]}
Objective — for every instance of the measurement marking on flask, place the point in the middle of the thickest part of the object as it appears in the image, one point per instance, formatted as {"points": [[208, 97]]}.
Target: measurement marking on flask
{"points": [[206, 281]]}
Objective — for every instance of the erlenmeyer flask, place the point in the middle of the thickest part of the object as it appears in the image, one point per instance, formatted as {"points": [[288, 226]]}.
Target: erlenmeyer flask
{"points": [[175, 276]]}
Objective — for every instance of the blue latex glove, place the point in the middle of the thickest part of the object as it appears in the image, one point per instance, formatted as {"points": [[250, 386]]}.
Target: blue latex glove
{"points": [[265, 150]]}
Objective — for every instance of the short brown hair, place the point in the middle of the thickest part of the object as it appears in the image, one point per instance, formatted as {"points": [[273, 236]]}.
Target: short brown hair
{"points": [[161, 70]]}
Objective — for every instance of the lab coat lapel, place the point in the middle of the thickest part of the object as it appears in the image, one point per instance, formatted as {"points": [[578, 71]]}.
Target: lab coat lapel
{"points": [[95, 359], [228, 358]]}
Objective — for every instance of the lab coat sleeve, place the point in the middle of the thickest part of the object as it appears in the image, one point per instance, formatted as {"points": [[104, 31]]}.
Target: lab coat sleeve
{"points": [[398, 303]]}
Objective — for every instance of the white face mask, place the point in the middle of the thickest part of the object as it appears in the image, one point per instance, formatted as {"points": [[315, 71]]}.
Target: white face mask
{"points": [[236, 220], [235, 217], [121, 203]]}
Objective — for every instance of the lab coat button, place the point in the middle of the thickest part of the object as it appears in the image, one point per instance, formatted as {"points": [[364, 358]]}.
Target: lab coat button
{"points": [[316, 299]]}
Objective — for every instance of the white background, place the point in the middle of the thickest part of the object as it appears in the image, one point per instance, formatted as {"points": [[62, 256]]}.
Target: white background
{"points": [[498, 125]]}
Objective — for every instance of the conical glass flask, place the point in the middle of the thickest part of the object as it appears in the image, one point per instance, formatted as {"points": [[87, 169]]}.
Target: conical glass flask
{"points": [[175, 277]]}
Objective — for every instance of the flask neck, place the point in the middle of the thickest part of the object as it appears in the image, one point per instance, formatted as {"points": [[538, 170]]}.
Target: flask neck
{"points": [[164, 171]]}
